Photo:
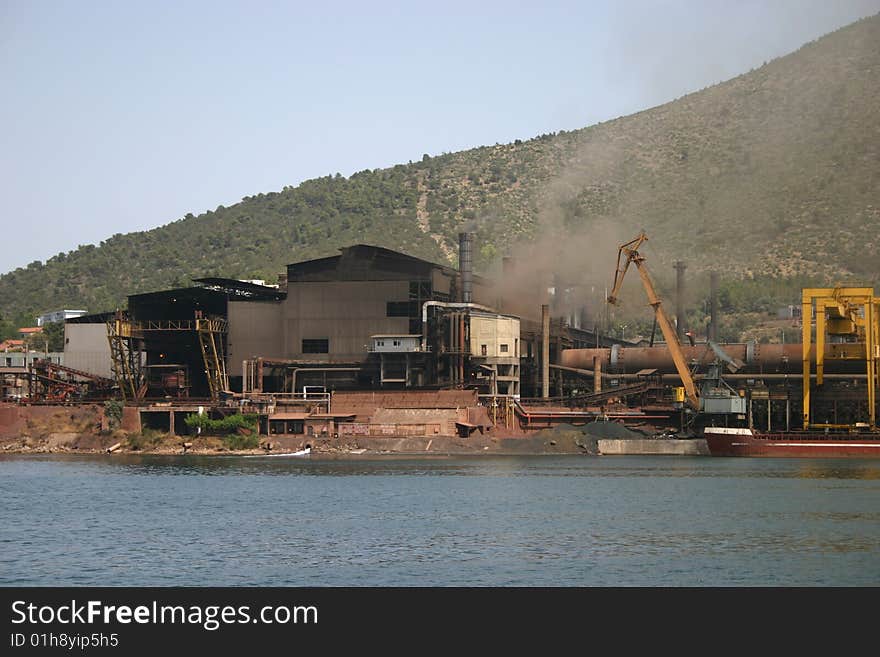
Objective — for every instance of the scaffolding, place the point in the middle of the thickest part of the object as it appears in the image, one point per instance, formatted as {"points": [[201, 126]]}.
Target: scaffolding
{"points": [[125, 352], [125, 358], [211, 332]]}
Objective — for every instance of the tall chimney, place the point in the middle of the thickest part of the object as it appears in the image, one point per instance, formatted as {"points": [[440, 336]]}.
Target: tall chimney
{"points": [[545, 351], [466, 265], [713, 306], [508, 271], [679, 298]]}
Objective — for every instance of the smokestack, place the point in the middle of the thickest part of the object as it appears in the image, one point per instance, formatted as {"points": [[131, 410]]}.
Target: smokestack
{"points": [[713, 306], [545, 351], [466, 265], [679, 297], [508, 271]]}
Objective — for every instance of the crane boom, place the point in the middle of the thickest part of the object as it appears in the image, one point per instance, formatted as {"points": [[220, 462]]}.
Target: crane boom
{"points": [[629, 253]]}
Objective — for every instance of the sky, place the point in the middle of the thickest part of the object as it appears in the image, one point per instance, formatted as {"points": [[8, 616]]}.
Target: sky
{"points": [[123, 116]]}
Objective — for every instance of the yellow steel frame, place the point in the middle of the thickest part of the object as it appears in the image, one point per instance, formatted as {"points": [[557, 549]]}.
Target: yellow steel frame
{"points": [[851, 311]]}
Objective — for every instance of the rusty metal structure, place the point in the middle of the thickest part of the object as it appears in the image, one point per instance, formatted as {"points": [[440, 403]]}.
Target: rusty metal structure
{"points": [[757, 358], [52, 382], [137, 380], [629, 254]]}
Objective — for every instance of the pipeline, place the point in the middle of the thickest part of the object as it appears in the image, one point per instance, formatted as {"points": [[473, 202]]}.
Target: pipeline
{"points": [[758, 358], [445, 304]]}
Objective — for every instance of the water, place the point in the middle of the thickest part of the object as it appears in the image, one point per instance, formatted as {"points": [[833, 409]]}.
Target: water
{"points": [[511, 521]]}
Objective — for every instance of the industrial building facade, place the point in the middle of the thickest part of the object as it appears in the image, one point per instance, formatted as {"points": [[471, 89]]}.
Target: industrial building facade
{"points": [[358, 318], [366, 318]]}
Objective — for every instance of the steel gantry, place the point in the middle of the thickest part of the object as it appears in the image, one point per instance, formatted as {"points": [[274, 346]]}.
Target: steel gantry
{"points": [[847, 327]]}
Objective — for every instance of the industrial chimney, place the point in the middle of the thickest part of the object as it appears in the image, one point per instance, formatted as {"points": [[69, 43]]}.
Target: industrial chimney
{"points": [[681, 324], [713, 306], [466, 265]]}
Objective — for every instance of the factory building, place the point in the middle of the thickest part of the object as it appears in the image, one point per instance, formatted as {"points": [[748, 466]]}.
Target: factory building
{"points": [[366, 318]]}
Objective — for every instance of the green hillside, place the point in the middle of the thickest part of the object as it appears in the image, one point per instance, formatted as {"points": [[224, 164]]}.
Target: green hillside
{"points": [[773, 175]]}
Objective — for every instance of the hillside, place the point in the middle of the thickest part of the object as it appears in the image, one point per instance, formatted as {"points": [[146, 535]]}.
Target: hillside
{"points": [[774, 174]]}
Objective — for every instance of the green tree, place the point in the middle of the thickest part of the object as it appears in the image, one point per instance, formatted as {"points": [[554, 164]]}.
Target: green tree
{"points": [[54, 334]]}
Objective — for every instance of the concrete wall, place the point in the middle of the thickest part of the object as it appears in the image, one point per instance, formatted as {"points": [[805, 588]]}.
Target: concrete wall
{"points": [[22, 359], [493, 331], [86, 348], [631, 447], [255, 329], [346, 313]]}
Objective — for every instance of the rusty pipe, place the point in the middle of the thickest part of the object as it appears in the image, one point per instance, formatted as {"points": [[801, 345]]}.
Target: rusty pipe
{"points": [[766, 358]]}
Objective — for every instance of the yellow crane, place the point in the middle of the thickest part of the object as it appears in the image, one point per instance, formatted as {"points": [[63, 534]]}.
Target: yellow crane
{"points": [[629, 254], [847, 328]]}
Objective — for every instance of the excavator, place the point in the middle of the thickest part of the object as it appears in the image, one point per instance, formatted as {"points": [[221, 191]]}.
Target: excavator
{"points": [[718, 397]]}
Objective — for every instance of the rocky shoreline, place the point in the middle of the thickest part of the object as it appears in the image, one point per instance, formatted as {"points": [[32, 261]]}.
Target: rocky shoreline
{"points": [[331, 447], [84, 429]]}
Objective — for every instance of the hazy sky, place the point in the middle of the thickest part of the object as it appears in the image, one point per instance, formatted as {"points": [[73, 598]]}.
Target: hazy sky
{"points": [[123, 116]]}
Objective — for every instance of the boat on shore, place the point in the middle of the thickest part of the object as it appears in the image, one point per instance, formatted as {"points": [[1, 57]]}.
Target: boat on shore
{"points": [[726, 441], [302, 452]]}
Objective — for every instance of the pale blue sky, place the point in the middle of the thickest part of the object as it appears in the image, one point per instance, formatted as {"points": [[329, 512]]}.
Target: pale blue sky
{"points": [[124, 116]]}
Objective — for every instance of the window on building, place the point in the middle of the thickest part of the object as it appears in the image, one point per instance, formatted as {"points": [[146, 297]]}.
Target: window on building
{"points": [[503, 348], [396, 343], [316, 346], [482, 350], [380, 343], [402, 309]]}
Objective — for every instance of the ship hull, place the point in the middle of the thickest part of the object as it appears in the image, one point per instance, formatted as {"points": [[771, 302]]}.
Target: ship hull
{"points": [[743, 442]]}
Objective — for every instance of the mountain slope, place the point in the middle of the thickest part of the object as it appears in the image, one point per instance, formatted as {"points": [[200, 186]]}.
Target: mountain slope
{"points": [[774, 173]]}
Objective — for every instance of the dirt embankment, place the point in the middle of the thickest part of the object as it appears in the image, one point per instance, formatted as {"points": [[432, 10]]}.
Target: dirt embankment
{"points": [[85, 429]]}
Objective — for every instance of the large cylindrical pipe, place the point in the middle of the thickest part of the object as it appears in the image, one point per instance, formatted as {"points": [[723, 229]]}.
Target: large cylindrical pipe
{"points": [[765, 358], [545, 351], [466, 265], [461, 346]]}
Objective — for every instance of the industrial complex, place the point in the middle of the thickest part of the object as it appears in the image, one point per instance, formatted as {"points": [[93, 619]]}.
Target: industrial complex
{"points": [[373, 343]]}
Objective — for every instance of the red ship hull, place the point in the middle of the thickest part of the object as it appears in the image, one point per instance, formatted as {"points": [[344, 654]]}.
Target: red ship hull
{"points": [[744, 442]]}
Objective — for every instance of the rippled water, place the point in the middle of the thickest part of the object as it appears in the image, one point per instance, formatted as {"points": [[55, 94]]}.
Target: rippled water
{"points": [[537, 521]]}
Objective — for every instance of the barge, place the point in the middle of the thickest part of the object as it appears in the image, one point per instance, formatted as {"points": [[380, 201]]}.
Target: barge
{"points": [[724, 441]]}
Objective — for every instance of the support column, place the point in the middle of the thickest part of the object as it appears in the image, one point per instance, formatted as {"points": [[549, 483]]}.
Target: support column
{"points": [[545, 351], [806, 320]]}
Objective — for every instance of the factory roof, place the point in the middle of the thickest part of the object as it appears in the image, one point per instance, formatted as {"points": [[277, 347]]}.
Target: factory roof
{"points": [[366, 262], [237, 289]]}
